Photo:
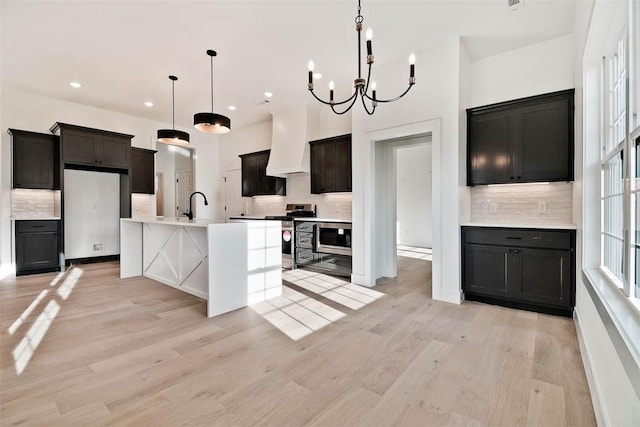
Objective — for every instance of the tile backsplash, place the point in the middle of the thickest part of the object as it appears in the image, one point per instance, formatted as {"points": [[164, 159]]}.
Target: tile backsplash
{"points": [[35, 203], [143, 205], [523, 203], [331, 205]]}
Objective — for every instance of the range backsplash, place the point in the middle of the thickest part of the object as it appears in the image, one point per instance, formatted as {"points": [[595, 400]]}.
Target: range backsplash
{"points": [[520, 203], [331, 205]]}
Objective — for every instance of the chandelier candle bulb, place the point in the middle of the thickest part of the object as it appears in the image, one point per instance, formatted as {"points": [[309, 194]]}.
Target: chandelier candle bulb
{"points": [[311, 67], [369, 35], [373, 90], [412, 66], [331, 86]]}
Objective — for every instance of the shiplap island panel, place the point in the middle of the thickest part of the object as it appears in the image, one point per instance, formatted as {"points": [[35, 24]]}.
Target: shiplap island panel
{"points": [[230, 265]]}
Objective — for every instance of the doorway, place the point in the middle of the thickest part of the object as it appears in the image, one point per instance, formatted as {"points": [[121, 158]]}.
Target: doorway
{"points": [[175, 170], [403, 203]]}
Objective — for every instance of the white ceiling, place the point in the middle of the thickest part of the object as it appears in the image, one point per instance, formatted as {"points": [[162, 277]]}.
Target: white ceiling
{"points": [[123, 51]]}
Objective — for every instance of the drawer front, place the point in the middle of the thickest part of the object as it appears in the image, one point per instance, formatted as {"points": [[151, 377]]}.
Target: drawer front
{"points": [[36, 226], [304, 240], [305, 227], [336, 262], [528, 238], [306, 256]]}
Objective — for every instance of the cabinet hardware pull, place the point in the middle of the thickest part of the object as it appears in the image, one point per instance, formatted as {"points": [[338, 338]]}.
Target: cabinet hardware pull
{"points": [[514, 238]]}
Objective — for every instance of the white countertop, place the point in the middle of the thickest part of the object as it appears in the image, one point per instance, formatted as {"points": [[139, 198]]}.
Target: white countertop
{"points": [[314, 219], [539, 226], [48, 218], [257, 218], [184, 221]]}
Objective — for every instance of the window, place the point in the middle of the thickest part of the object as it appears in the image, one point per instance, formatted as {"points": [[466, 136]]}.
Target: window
{"points": [[620, 169]]}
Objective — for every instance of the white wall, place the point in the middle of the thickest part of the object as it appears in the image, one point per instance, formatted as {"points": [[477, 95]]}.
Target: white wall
{"points": [[532, 70], [25, 111], [413, 189], [601, 311]]}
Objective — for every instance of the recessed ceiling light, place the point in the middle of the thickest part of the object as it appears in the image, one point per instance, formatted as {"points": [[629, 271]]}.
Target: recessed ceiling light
{"points": [[75, 85], [317, 75], [148, 104], [232, 107], [268, 94]]}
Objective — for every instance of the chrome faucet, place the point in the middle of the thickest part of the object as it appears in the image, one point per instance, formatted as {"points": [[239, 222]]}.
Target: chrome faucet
{"points": [[191, 208]]}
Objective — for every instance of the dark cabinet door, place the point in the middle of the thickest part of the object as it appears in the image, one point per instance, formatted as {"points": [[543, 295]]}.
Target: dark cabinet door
{"points": [[80, 147], [524, 140], [343, 164], [543, 276], [114, 152], [331, 165], [490, 153], [544, 154], [255, 181], [323, 167], [35, 160], [142, 171], [486, 270], [37, 246]]}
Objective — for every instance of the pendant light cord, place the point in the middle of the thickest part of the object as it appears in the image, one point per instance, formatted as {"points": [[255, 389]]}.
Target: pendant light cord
{"points": [[173, 102], [212, 84]]}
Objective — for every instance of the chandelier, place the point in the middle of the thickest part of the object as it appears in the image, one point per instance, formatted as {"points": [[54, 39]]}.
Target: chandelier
{"points": [[361, 85]]}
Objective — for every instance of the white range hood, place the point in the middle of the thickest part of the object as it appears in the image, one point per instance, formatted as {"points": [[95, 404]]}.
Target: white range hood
{"points": [[292, 131]]}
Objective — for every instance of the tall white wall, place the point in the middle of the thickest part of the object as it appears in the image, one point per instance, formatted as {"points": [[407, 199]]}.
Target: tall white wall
{"points": [[25, 111], [532, 70], [431, 107], [414, 195]]}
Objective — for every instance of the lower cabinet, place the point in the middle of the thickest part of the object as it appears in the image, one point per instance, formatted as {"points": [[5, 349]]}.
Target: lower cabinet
{"points": [[37, 246], [306, 257], [523, 268]]}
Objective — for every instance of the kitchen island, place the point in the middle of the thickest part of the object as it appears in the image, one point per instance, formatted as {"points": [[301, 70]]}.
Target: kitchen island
{"points": [[230, 265]]}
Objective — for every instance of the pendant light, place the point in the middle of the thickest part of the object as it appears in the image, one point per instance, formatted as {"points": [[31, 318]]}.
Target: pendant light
{"points": [[173, 136], [212, 122]]}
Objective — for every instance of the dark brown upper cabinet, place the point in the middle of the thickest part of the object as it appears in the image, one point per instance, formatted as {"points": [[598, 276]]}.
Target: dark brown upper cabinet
{"points": [[142, 170], [94, 147], [331, 165], [35, 160], [255, 181], [524, 140]]}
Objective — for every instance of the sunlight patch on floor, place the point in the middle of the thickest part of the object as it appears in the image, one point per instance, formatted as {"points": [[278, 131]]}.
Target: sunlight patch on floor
{"points": [[296, 314], [333, 288], [25, 349], [415, 252]]}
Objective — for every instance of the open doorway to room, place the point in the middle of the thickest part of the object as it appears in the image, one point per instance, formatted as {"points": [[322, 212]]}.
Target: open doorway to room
{"points": [[403, 202], [413, 199]]}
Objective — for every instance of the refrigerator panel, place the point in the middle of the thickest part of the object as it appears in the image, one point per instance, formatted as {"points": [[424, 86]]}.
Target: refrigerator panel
{"points": [[91, 214]]}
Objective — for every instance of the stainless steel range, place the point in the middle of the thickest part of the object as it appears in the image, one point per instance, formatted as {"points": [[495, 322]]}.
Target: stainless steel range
{"points": [[293, 210]]}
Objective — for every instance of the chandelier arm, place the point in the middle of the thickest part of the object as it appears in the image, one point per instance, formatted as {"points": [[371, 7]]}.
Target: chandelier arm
{"points": [[366, 88], [392, 99], [364, 105], [354, 99], [333, 103]]}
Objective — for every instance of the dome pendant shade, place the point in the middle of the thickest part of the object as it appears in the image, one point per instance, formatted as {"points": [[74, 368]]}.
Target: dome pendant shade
{"points": [[212, 123], [173, 136]]}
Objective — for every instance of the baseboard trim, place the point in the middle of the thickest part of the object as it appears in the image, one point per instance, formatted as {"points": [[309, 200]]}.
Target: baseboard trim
{"points": [[594, 390]]}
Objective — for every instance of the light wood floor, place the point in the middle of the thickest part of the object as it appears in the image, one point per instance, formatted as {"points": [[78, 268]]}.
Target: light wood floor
{"points": [[134, 352]]}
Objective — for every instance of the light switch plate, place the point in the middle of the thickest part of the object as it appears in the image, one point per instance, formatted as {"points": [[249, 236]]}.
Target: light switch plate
{"points": [[493, 207]]}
